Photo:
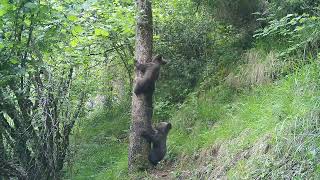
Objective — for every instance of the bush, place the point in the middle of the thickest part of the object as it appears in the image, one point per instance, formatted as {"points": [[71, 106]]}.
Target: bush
{"points": [[293, 29]]}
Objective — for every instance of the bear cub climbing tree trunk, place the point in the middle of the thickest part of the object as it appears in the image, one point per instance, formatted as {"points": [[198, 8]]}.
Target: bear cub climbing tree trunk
{"points": [[142, 134], [141, 105]]}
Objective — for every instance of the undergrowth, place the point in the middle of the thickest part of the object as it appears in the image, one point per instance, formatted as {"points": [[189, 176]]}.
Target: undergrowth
{"points": [[255, 113], [99, 145], [235, 120]]}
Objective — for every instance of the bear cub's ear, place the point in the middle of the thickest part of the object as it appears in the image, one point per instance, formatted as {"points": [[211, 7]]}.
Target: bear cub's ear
{"points": [[159, 59], [169, 126]]}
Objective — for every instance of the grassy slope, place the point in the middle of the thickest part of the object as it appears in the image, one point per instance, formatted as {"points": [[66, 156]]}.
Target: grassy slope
{"points": [[216, 116], [250, 115]]}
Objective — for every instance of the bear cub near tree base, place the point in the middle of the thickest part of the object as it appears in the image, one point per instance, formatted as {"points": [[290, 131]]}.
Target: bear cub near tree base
{"points": [[158, 139]]}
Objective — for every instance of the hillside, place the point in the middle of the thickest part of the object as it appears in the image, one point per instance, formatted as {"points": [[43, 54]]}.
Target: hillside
{"points": [[270, 130]]}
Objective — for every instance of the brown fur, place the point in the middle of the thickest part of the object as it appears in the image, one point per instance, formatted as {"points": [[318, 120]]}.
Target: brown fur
{"points": [[151, 72], [158, 138]]}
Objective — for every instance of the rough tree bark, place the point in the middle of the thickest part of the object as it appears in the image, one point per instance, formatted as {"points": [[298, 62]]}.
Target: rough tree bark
{"points": [[141, 105]]}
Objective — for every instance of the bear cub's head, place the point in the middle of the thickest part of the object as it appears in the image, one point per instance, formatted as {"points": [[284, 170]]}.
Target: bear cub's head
{"points": [[159, 59], [163, 127]]}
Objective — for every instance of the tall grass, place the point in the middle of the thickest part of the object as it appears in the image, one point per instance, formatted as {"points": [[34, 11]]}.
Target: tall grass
{"points": [[99, 145], [237, 121]]}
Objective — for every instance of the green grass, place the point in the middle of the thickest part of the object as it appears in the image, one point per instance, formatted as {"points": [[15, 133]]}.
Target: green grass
{"points": [[100, 145], [220, 114]]}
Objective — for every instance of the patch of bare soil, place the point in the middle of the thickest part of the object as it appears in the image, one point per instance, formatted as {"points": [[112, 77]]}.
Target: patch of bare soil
{"points": [[162, 171]]}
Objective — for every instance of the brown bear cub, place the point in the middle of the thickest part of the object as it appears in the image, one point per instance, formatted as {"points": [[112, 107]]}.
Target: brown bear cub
{"points": [[150, 72], [158, 139]]}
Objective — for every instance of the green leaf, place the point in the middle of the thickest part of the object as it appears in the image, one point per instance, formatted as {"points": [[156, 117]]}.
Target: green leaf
{"points": [[4, 6], [293, 22], [156, 37], [27, 22], [14, 61], [314, 18], [77, 30], [131, 61], [299, 28], [74, 43], [59, 8], [4, 2], [73, 18], [302, 20], [101, 32], [2, 12]]}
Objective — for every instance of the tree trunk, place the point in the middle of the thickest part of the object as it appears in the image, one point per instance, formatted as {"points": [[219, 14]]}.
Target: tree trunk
{"points": [[141, 105]]}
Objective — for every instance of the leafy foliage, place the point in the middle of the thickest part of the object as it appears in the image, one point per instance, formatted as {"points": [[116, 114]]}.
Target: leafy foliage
{"points": [[52, 60], [193, 44], [280, 8], [239, 13], [297, 32], [39, 105]]}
